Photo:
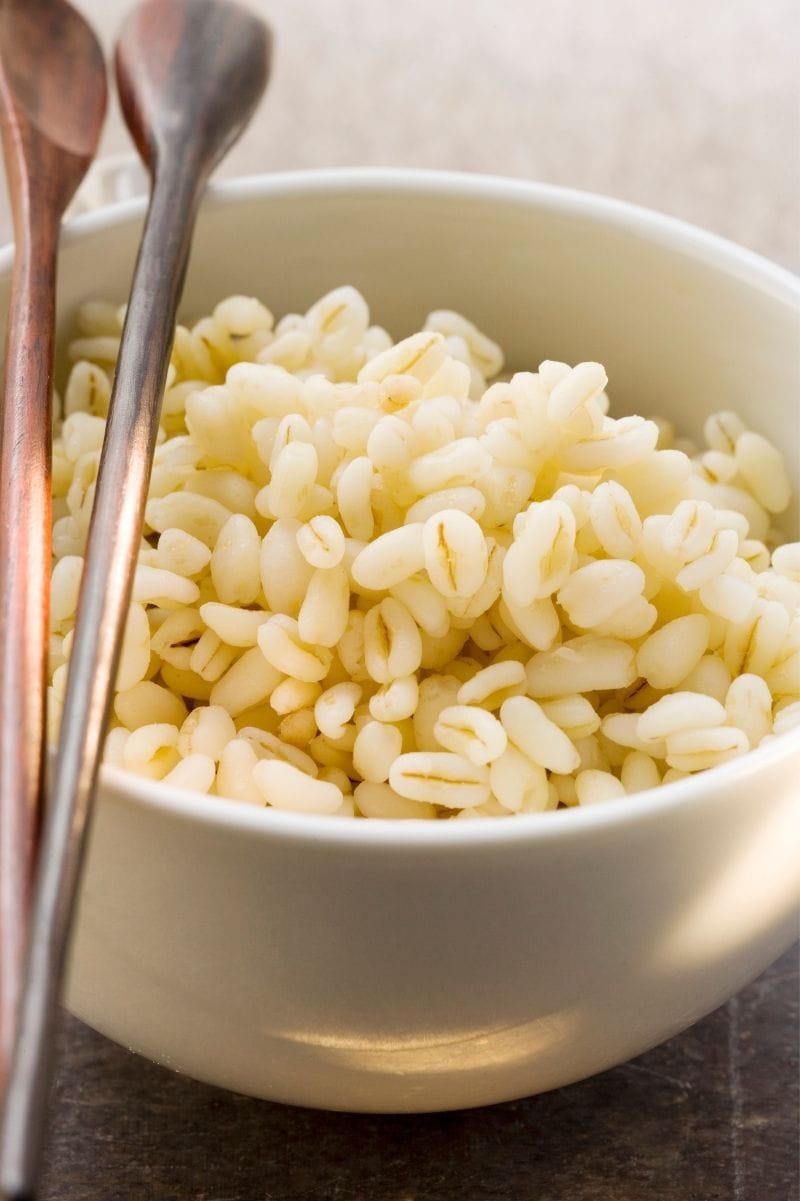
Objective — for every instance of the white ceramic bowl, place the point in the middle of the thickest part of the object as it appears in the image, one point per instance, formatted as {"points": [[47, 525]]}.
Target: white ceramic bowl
{"points": [[406, 966]]}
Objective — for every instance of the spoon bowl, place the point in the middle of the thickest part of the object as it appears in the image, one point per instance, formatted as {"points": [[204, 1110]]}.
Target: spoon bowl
{"points": [[190, 95], [58, 99]]}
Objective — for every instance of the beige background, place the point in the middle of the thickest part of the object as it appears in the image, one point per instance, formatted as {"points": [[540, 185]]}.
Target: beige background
{"points": [[689, 106]]}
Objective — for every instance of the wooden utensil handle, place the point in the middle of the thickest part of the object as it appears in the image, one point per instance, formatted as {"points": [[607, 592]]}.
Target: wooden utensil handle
{"points": [[112, 549], [25, 542]]}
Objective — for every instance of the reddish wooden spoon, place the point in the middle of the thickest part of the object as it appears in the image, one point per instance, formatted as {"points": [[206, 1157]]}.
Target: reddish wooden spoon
{"points": [[52, 104]]}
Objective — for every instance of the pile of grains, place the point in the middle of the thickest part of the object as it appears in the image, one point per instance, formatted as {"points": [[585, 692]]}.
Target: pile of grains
{"points": [[374, 584]]}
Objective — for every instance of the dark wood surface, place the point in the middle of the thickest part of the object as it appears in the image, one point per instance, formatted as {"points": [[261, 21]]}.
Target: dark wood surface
{"points": [[711, 1115]]}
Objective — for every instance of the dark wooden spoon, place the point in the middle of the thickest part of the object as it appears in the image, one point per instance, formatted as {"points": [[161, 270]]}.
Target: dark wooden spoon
{"points": [[52, 104], [190, 73]]}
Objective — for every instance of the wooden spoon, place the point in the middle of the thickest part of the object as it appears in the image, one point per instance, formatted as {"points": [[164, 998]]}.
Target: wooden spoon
{"points": [[190, 73], [52, 104]]}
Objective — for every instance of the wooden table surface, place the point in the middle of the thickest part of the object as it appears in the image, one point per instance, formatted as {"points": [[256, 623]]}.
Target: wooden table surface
{"points": [[688, 107]]}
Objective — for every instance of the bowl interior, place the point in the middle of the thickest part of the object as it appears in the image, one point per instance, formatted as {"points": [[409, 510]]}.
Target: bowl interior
{"points": [[684, 322]]}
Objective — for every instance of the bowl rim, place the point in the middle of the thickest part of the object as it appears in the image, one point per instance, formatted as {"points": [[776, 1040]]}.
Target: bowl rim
{"points": [[605, 817], [566, 825], [673, 233]]}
